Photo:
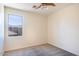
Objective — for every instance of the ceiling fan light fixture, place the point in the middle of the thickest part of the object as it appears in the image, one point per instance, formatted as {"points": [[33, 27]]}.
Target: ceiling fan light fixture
{"points": [[44, 6]]}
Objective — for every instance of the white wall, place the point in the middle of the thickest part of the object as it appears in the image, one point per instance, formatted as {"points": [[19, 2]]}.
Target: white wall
{"points": [[34, 30], [63, 29], [1, 29]]}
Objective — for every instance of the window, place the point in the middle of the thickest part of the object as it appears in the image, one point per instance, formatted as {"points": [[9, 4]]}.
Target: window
{"points": [[14, 25]]}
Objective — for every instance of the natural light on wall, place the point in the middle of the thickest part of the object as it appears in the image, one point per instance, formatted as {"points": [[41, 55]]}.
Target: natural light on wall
{"points": [[1, 29]]}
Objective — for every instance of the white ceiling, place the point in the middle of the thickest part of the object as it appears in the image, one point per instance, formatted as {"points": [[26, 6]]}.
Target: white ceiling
{"points": [[28, 7]]}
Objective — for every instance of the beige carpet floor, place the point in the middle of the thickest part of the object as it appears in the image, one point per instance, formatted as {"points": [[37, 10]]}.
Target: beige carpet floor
{"points": [[40, 50]]}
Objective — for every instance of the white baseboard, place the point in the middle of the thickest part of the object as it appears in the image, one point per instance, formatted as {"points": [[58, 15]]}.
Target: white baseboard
{"points": [[25, 47], [62, 48]]}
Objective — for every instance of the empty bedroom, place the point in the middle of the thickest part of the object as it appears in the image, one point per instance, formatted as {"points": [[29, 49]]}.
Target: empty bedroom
{"points": [[39, 29]]}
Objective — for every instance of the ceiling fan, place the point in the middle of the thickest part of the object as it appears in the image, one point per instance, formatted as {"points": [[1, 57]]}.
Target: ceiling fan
{"points": [[43, 5]]}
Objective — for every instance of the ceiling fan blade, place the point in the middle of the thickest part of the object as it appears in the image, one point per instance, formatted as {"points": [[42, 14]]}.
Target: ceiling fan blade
{"points": [[53, 4], [48, 4], [36, 7]]}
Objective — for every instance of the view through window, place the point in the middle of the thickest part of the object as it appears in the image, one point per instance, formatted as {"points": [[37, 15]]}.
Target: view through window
{"points": [[14, 25]]}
